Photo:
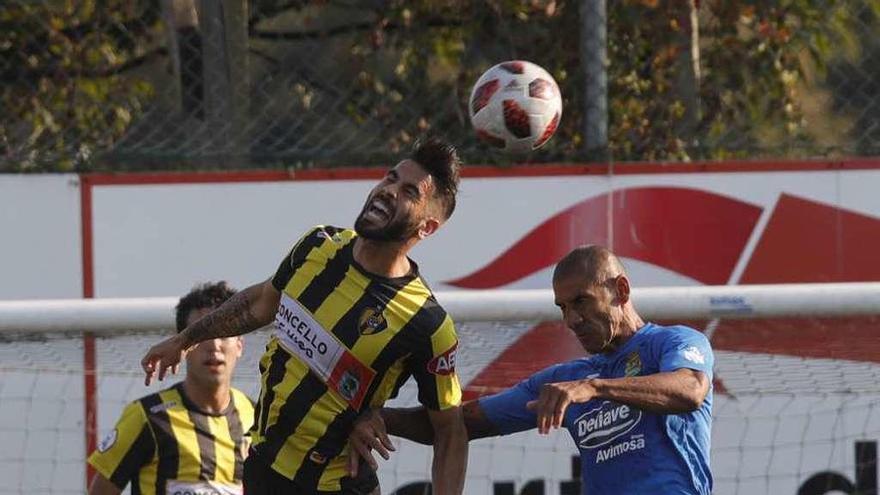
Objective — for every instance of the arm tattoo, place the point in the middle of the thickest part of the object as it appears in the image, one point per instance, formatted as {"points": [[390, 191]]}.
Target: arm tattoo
{"points": [[233, 317]]}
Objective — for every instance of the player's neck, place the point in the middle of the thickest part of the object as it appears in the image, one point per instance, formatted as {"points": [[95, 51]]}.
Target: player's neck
{"points": [[629, 325], [387, 259], [212, 399]]}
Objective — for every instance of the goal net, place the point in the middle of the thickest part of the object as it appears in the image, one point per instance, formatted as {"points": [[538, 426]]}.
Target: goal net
{"points": [[797, 389]]}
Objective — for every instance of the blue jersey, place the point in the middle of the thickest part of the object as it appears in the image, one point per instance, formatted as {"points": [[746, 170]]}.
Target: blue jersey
{"points": [[624, 449]]}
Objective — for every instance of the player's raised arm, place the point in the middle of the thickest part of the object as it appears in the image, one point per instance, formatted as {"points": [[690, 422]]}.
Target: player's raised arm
{"points": [[681, 386], [673, 392], [246, 311]]}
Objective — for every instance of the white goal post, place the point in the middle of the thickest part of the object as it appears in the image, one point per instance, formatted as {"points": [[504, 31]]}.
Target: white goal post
{"points": [[113, 315], [796, 378]]}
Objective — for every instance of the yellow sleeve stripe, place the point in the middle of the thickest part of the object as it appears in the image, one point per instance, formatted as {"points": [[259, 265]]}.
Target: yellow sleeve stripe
{"points": [[444, 338], [448, 386], [113, 449]]}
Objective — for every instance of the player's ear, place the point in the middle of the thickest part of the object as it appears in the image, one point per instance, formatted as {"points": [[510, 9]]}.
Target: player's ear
{"points": [[621, 285], [239, 346], [428, 227]]}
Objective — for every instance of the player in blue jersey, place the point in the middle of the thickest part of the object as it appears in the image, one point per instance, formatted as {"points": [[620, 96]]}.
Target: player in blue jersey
{"points": [[638, 408]]}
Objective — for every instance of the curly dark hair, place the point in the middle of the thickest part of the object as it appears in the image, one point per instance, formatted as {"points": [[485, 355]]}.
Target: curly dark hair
{"points": [[440, 159], [208, 295]]}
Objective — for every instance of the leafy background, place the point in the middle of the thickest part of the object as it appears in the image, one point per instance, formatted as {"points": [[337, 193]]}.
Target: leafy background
{"points": [[91, 85]]}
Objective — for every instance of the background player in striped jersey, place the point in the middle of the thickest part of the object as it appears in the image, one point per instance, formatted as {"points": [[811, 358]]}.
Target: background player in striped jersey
{"points": [[354, 320], [638, 408], [190, 438]]}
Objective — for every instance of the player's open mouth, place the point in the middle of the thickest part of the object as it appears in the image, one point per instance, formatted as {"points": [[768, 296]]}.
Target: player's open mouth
{"points": [[214, 363], [379, 210]]}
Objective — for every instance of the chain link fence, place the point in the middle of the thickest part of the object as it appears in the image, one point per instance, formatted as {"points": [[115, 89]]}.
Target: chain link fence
{"points": [[170, 84]]}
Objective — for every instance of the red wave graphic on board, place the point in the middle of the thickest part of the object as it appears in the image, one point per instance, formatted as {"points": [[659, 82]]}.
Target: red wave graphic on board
{"points": [[674, 228], [804, 241], [807, 241]]}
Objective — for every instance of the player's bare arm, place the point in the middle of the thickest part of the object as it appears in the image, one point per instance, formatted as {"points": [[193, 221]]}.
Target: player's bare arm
{"points": [[450, 451], [103, 486], [246, 311], [372, 428], [671, 392], [413, 424], [422, 426]]}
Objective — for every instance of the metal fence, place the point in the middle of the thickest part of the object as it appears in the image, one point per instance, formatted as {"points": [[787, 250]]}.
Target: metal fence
{"points": [[147, 84]]}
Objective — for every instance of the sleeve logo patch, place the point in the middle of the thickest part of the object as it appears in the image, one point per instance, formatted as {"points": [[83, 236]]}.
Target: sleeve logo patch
{"points": [[108, 441], [694, 355], [323, 234], [444, 364]]}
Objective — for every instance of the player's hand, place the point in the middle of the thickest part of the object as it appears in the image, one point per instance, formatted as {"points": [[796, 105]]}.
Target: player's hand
{"points": [[162, 356], [368, 433], [555, 398]]}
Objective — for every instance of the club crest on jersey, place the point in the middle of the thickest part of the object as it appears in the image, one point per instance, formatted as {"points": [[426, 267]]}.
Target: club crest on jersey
{"points": [[372, 321], [633, 365], [444, 364]]}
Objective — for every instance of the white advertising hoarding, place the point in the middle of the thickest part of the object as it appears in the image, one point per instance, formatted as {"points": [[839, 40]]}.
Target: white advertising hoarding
{"points": [[791, 402]]}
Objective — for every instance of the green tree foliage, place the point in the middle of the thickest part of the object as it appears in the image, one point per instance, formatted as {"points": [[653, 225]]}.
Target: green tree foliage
{"points": [[352, 82], [69, 88], [761, 62]]}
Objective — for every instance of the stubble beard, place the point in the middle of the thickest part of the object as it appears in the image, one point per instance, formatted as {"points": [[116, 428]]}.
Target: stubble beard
{"points": [[396, 230]]}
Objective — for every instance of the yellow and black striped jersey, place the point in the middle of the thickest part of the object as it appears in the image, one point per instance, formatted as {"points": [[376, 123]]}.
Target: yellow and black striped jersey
{"points": [[162, 444], [345, 339]]}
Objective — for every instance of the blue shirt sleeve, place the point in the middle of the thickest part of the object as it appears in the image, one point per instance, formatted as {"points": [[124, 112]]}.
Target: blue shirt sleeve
{"points": [[686, 348], [507, 410]]}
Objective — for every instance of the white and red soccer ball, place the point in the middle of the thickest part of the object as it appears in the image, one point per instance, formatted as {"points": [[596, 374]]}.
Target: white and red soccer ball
{"points": [[515, 106]]}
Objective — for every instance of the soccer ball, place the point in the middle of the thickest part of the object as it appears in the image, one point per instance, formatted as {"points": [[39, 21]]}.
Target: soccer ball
{"points": [[515, 106]]}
